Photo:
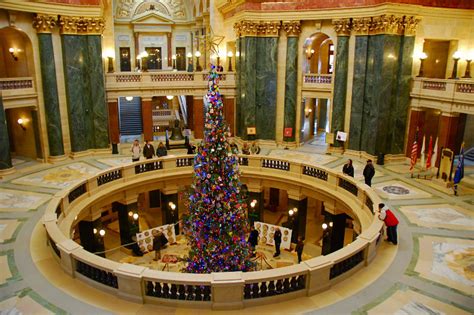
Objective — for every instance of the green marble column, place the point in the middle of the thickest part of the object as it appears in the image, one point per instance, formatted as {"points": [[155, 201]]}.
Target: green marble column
{"points": [[340, 85], [291, 85], [5, 157], [266, 87], [358, 86], [36, 128], [323, 113], [238, 120], [97, 92], [85, 92], [248, 79], [50, 95]]}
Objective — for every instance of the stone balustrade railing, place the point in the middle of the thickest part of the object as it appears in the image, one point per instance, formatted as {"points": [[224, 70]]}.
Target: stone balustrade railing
{"points": [[317, 78], [16, 83], [447, 95], [217, 290]]}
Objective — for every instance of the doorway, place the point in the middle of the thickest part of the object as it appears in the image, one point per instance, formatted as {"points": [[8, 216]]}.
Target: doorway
{"points": [[125, 59], [154, 61], [181, 58]]}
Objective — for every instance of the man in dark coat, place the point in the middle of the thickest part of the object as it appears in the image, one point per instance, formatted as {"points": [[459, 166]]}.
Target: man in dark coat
{"points": [[369, 172], [148, 150], [253, 240], [348, 169], [299, 248], [277, 240]]}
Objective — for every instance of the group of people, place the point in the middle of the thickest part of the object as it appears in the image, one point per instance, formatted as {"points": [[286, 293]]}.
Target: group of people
{"points": [[247, 149], [148, 150], [369, 171]]}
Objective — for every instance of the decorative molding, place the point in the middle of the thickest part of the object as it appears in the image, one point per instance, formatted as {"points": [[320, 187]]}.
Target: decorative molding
{"points": [[257, 28], [361, 26], [44, 23], [292, 28], [342, 27], [410, 23], [81, 25]]}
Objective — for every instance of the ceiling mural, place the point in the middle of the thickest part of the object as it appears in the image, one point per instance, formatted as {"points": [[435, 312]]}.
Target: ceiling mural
{"points": [[127, 9]]}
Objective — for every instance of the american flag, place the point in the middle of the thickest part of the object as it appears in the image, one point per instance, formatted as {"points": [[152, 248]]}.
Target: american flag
{"points": [[414, 151]]}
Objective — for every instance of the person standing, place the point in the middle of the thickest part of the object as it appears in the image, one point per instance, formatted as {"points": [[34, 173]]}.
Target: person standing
{"points": [[191, 149], [369, 172], [246, 148], [299, 248], [136, 151], [255, 148], [148, 150], [161, 150], [277, 240], [253, 240], [391, 222], [348, 169], [157, 244]]}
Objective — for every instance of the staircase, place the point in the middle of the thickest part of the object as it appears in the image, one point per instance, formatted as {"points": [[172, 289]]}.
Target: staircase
{"points": [[469, 154]]}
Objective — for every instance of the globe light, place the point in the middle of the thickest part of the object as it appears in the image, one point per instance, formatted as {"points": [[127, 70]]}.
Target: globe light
{"points": [[325, 226], [102, 232], [135, 216]]}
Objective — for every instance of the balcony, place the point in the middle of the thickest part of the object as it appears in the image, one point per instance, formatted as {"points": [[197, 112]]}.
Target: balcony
{"points": [[317, 85], [18, 92], [148, 84], [447, 95]]}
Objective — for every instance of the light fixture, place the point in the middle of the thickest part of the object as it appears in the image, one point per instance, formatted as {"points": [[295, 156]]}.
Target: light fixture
{"points": [[135, 216], [229, 56], [456, 57], [310, 53], [197, 53], [422, 56], [253, 203], [467, 73], [331, 224], [102, 232], [307, 111], [130, 213], [291, 212], [12, 52], [172, 205], [189, 55], [324, 226], [94, 231], [169, 97], [237, 53], [198, 66], [21, 122], [129, 98], [295, 210]]}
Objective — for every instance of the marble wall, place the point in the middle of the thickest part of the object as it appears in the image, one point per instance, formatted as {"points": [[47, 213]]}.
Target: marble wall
{"points": [[50, 95], [257, 73], [291, 85], [85, 92], [5, 157], [340, 84]]}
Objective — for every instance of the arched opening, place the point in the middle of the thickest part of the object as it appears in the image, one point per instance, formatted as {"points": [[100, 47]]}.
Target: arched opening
{"points": [[319, 54], [16, 61]]}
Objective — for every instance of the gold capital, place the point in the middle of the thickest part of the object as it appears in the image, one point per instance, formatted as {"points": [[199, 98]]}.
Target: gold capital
{"points": [[409, 24], [257, 28], [44, 23], [386, 24], [81, 25], [361, 26], [342, 27], [292, 28]]}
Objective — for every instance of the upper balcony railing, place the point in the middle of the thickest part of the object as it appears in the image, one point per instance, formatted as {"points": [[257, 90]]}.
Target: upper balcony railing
{"points": [[317, 82], [445, 94], [18, 91]]}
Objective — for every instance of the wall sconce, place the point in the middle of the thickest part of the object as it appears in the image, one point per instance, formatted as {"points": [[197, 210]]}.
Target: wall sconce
{"points": [[307, 112], [129, 98], [21, 122], [169, 97], [198, 65], [12, 52], [456, 57], [325, 226], [309, 53], [230, 55], [467, 73], [133, 216], [292, 212], [172, 205], [253, 203], [422, 58], [101, 232]]}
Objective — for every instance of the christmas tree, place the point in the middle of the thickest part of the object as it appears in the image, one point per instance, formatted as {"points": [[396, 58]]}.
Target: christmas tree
{"points": [[215, 225]]}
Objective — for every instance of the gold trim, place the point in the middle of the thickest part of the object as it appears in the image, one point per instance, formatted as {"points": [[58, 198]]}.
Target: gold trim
{"points": [[81, 25], [386, 24], [361, 26], [342, 27], [410, 23], [44, 23], [292, 28], [260, 28]]}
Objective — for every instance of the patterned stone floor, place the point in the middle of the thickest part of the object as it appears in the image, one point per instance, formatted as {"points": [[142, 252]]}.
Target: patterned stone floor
{"points": [[431, 271]]}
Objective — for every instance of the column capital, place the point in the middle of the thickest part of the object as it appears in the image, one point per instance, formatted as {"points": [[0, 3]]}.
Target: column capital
{"points": [[410, 23], [387, 24], [44, 23], [257, 28], [342, 27], [292, 28], [81, 25], [361, 26]]}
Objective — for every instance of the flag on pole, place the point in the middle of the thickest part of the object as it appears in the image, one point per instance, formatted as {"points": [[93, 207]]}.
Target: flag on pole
{"points": [[435, 154], [430, 153], [414, 151], [460, 168], [422, 159]]}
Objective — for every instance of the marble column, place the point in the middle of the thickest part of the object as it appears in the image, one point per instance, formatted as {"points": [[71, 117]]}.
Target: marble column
{"points": [[333, 236], [114, 129], [37, 132], [229, 105], [323, 113], [91, 241], [292, 30], [50, 95], [342, 28], [238, 121], [5, 157], [198, 118], [248, 82], [170, 215], [128, 226], [147, 119], [255, 213], [299, 227]]}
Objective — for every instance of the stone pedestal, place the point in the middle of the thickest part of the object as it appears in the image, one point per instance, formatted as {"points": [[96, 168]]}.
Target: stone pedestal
{"points": [[227, 290], [130, 284]]}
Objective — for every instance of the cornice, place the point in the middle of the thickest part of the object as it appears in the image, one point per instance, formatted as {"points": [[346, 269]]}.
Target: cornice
{"points": [[257, 28], [44, 23], [292, 28], [51, 8], [342, 27], [386, 24], [81, 25], [361, 26]]}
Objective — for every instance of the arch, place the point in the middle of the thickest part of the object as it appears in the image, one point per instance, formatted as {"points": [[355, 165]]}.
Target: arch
{"points": [[152, 6], [20, 62], [317, 52]]}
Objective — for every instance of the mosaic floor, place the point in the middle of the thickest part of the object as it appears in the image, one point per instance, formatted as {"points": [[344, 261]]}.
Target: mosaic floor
{"points": [[431, 271]]}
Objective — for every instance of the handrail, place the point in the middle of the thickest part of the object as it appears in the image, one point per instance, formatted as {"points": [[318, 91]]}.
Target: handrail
{"points": [[127, 280], [16, 83]]}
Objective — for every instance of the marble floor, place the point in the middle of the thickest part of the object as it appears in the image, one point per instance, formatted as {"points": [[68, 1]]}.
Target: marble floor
{"points": [[431, 271]]}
